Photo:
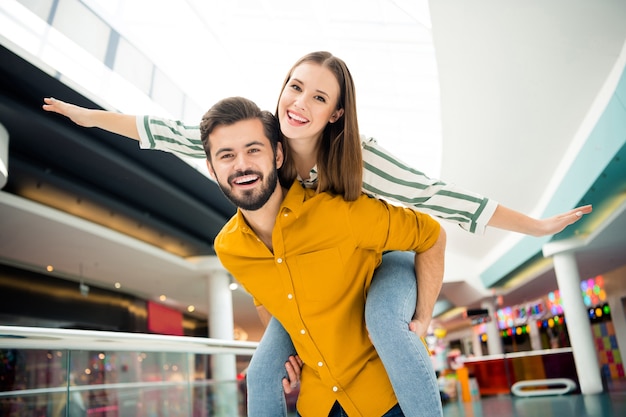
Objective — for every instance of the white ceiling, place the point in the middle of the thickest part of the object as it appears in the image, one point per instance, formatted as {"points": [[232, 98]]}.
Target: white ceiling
{"points": [[491, 97]]}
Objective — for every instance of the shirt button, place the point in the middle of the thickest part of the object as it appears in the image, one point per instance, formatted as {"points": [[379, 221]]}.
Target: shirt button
{"points": [[279, 260], [290, 296], [335, 389], [302, 331], [320, 364]]}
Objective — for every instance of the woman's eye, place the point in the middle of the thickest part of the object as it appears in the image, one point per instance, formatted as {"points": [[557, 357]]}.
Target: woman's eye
{"points": [[296, 87], [320, 99]]}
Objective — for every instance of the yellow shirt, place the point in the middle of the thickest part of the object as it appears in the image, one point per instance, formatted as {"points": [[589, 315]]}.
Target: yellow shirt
{"points": [[315, 283]]}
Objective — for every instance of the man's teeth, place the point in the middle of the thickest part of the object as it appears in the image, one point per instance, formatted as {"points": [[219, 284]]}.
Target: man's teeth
{"points": [[246, 179]]}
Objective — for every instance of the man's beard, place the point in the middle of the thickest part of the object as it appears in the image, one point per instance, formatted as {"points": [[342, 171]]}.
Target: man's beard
{"points": [[251, 199]]}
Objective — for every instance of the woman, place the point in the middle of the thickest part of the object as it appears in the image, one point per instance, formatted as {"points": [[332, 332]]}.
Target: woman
{"points": [[324, 150]]}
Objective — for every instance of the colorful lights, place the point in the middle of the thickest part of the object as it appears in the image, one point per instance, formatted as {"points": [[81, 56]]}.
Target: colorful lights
{"points": [[593, 291], [599, 313], [517, 331], [520, 314], [554, 305]]}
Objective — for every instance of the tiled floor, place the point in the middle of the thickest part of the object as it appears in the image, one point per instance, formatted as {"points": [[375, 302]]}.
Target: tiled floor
{"points": [[611, 403], [608, 404]]}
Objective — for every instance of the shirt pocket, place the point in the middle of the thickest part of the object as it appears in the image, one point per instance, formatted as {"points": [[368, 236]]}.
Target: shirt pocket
{"points": [[320, 275]]}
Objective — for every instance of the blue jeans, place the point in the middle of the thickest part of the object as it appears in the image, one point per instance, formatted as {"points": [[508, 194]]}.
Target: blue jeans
{"points": [[266, 371], [337, 411], [389, 308]]}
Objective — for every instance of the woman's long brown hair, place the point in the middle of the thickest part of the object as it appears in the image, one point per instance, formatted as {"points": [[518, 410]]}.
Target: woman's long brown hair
{"points": [[339, 158]]}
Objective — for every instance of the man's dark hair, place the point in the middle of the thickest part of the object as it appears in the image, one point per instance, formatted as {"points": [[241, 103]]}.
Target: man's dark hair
{"points": [[232, 110]]}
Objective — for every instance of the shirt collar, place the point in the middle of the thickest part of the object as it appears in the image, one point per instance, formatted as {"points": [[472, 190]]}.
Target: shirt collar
{"points": [[311, 182], [295, 198], [293, 201]]}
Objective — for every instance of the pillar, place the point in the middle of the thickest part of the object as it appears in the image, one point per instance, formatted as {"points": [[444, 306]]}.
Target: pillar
{"points": [[494, 343], [4, 156], [534, 335], [477, 346], [221, 326], [577, 322], [618, 316]]}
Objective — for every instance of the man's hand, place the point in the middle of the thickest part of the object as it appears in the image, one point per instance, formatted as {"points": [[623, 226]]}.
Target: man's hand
{"points": [[293, 367]]}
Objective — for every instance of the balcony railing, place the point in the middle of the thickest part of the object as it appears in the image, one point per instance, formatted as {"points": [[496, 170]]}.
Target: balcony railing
{"points": [[59, 372]]}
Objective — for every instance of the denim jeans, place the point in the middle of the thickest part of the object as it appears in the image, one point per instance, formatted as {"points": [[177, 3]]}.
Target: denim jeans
{"points": [[389, 308], [337, 411], [266, 371]]}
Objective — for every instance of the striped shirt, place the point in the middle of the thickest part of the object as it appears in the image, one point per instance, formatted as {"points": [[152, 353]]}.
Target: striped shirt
{"points": [[384, 175]]}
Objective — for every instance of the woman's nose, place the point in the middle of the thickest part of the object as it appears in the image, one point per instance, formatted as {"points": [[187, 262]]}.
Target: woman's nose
{"points": [[298, 103]]}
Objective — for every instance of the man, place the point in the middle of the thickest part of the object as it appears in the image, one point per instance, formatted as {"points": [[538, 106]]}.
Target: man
{"points": [[309, 259]]}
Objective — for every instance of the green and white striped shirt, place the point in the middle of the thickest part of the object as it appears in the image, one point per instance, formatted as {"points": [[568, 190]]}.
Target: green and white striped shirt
{"points": [[383, 175]]}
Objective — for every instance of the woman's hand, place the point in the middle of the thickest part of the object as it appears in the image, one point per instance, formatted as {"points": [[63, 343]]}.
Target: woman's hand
{"points": [[79, 115], [514, 221], [555, 224]]}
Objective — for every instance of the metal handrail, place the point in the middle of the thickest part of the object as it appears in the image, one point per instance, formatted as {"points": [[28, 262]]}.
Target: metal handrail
{"points": [[18, 337]]}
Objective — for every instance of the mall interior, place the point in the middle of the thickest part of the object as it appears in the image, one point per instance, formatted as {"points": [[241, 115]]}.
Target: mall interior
{"points": [[112, 301]]}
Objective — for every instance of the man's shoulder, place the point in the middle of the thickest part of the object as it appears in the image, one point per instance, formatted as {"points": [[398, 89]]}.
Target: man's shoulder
{"points": [[230, 229]]}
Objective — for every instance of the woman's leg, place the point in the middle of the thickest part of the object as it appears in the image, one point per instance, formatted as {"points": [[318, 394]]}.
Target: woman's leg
{"points": [[389, 308], [266, 371]]}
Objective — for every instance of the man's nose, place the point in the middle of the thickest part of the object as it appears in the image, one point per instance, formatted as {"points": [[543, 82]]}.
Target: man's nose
{"points": [[241, 162]]}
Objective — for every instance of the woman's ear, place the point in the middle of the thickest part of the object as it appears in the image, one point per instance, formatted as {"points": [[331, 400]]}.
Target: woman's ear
{"points": [[336, 115]]}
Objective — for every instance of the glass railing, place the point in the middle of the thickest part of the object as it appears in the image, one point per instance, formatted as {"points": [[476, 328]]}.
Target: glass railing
{"points": [[70, 373]]}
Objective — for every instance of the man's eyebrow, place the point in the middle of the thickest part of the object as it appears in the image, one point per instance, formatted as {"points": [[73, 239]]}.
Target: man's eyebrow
{"points": [[248, 145]]}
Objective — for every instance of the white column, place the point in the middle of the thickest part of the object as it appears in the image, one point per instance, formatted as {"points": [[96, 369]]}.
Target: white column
{"points": [[494, 344], [4, 156], [221, 326], [618, 315], [477, 346], [577, 322], [534, 335]]}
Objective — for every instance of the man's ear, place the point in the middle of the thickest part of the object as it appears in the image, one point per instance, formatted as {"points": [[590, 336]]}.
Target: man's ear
{"points": [[211, 171], [280, 157]]}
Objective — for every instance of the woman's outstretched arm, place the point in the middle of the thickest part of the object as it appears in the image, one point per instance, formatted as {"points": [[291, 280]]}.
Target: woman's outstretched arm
{"points": [[173, 136], [122, 124], [386, 176], [508, 219]]}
